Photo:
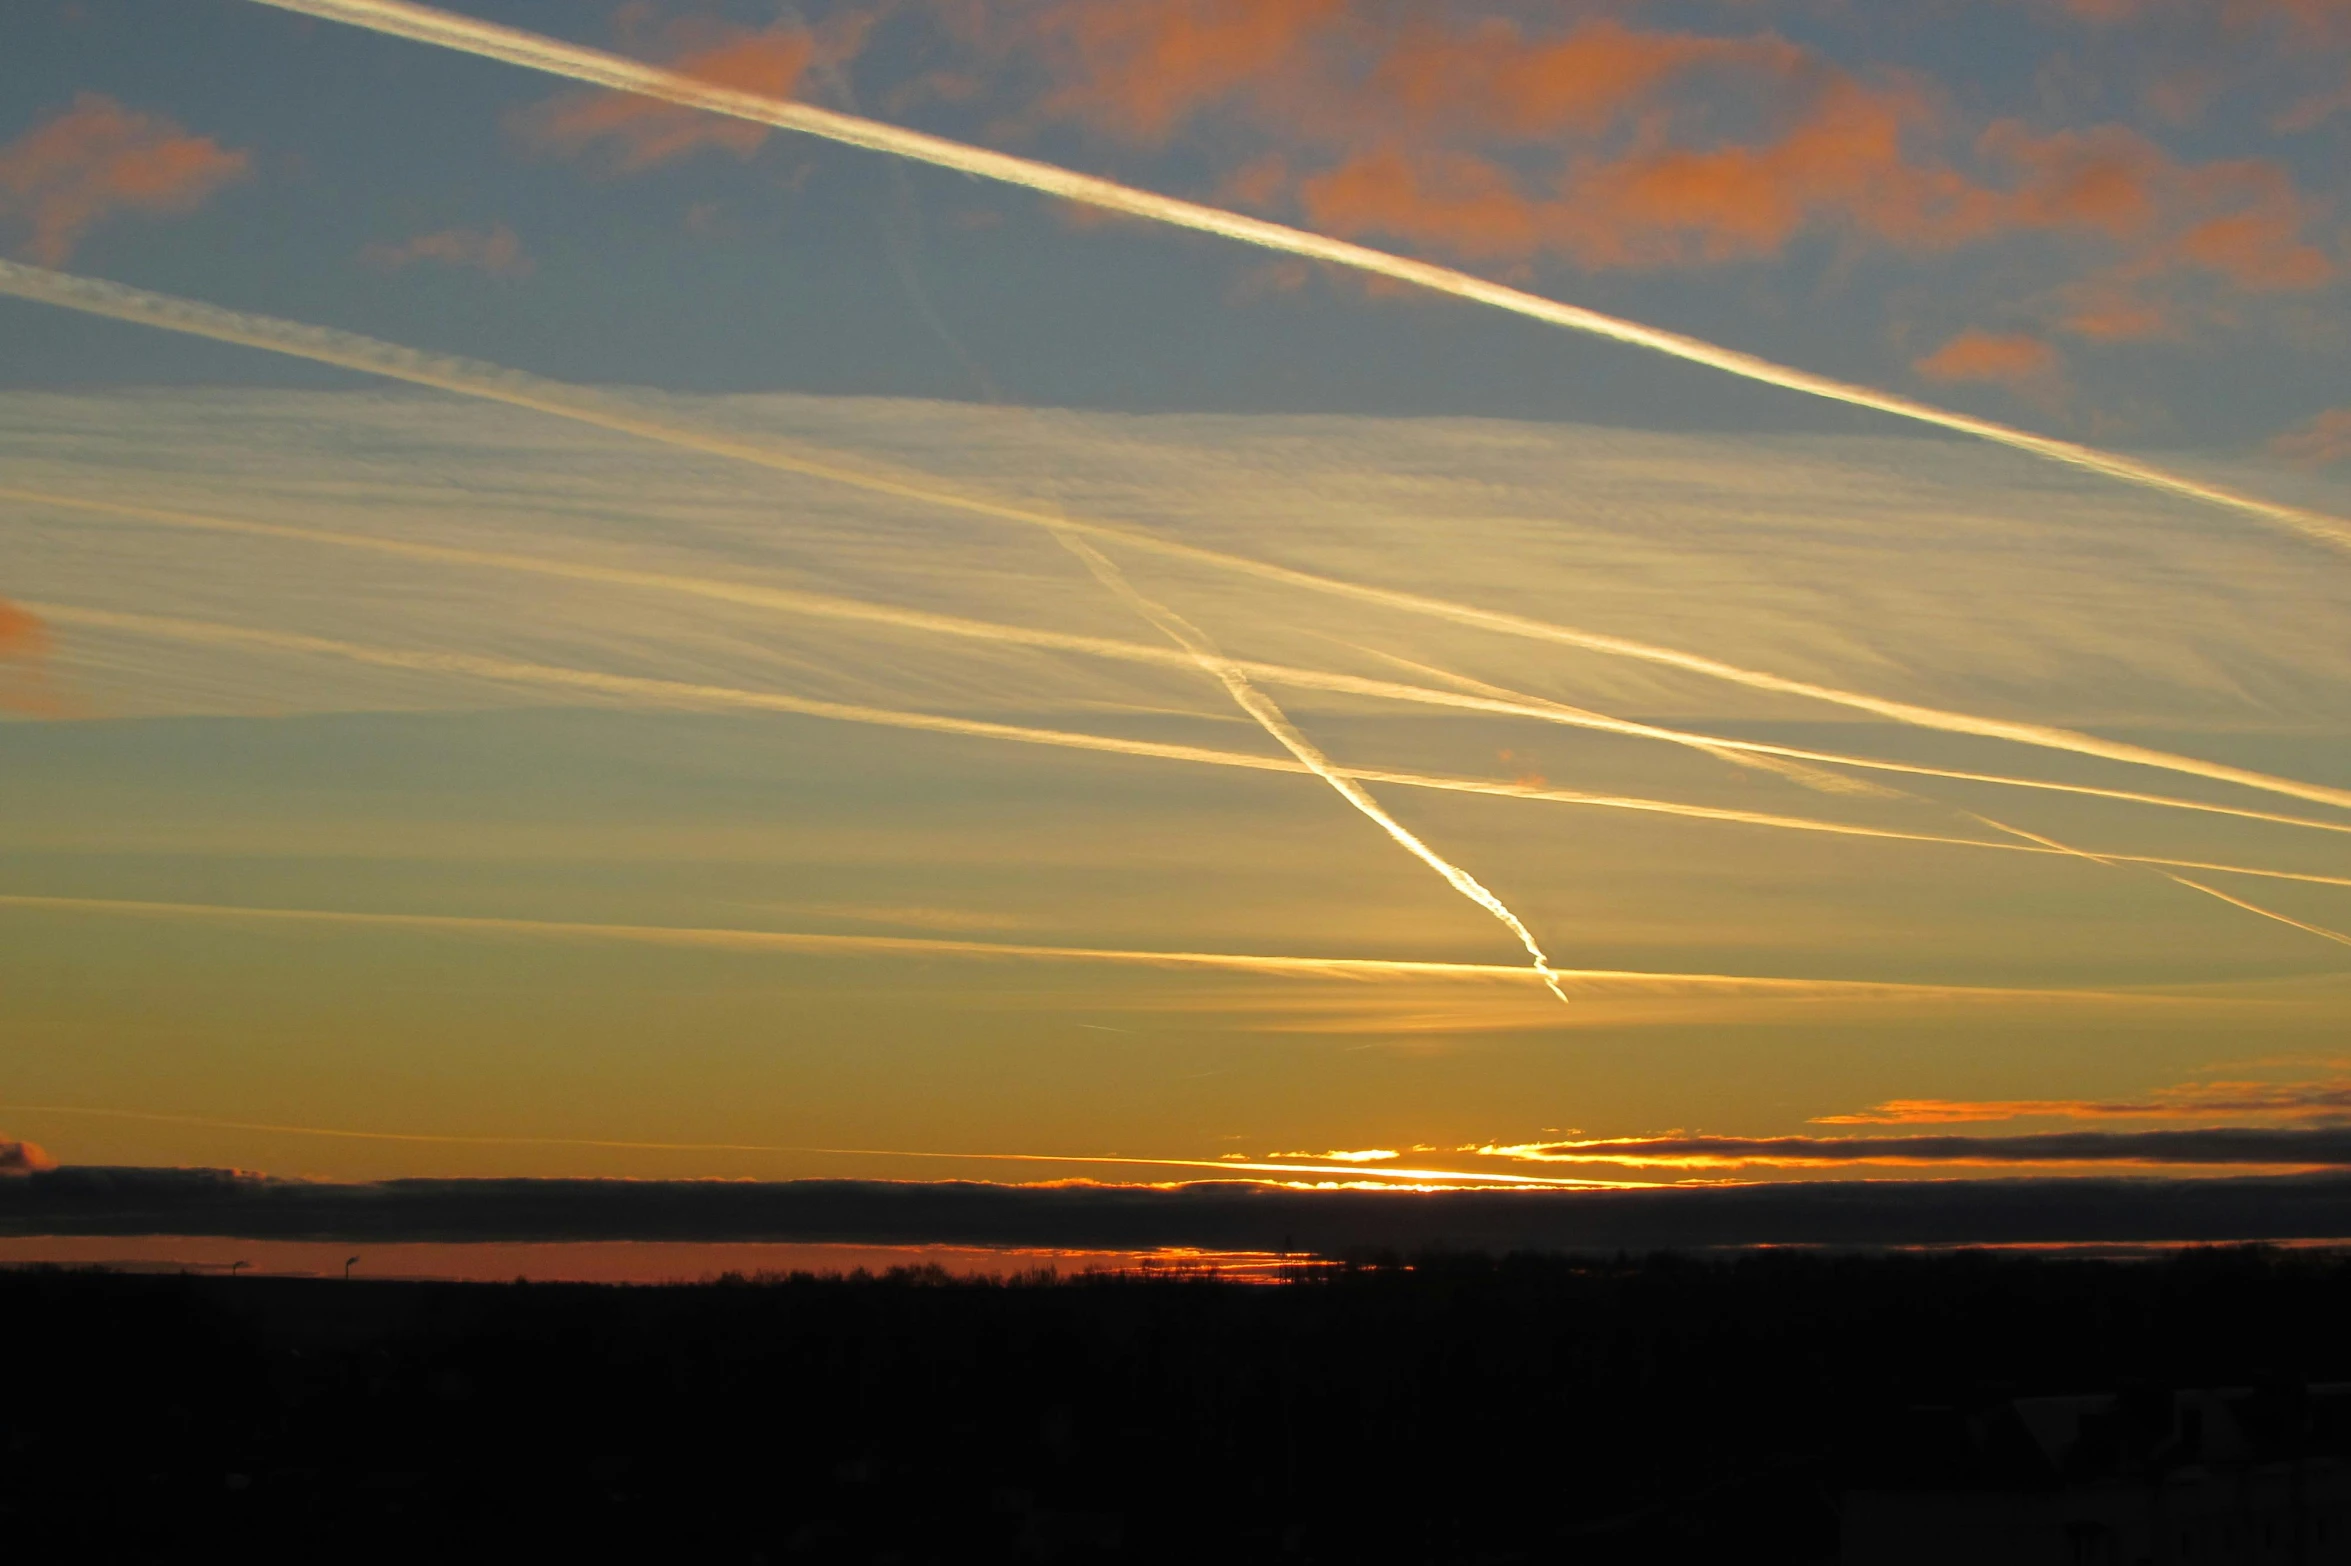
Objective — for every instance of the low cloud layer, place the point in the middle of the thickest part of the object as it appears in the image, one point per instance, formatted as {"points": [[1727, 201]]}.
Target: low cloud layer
{"points": [[98, 1201], [2215, 1145]]}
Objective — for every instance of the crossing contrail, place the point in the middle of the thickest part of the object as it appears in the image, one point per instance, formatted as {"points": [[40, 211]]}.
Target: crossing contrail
{"points": [[705, 938], [862, 611], [533, 51], [471, 378], [2112, 860], [2046, 844], [1275, 722], [680, 693]]}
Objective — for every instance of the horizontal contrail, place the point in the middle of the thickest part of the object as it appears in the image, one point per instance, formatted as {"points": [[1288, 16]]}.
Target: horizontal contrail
{"points": [[704, 938], [683, 693], [533, 51], [791, 601], [1229, 1166], [470, 378], [1276, 723]]}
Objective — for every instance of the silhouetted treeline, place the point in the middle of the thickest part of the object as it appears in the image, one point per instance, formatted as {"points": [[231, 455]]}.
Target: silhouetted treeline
{"points": [[1654, 1410]]}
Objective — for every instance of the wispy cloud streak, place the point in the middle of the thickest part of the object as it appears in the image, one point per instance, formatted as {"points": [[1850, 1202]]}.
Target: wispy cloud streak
{"points": [[705, 938], [1333, 1168], [2328, 1099], [532, 51], [471, 378]]}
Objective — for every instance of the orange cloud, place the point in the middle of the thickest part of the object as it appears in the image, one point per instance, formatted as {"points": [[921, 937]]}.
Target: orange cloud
{"points": [[2101, 179], [2007, 358], [19, 1158], [1141, 66], [1470, 205], [1842, 160], [2105, 309], [2324, 439], [24, 647], [2328, 1099], [2240, 218], [97, 158], [1417, 118], [22, 634], [636, 133], [497, 252], [2259, 251], [1493, 80]]}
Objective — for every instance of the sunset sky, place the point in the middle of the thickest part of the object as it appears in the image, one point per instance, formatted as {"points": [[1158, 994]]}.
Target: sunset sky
{"points": [[834, 682]]}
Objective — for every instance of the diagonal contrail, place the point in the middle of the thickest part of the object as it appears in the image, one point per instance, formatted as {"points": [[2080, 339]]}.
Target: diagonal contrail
{"points": [[680, 693], [534, 51], [2111, 861], [1270, 717], [860, 611], [474, 379]]}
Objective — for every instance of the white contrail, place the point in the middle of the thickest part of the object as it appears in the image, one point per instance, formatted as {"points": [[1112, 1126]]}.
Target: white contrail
{"points": [[680, 693], [1275, 722], [536, 52], [1228, 1165], [472, 378], [705, 938], [2111, 861], [827, 606], [2320, 930]]}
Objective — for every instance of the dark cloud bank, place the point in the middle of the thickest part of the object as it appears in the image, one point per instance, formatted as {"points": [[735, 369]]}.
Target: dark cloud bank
{"points": [[124, 1201]]}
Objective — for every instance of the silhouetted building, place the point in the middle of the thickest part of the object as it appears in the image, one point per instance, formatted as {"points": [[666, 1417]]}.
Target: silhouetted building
{"points": [[2113, 1479]]}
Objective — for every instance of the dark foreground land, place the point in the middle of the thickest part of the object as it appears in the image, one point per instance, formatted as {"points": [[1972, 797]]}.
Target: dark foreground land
{"points": [[1774, 1408]]}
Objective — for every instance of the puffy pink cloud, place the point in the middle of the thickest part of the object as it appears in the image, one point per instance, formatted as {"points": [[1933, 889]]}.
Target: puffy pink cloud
{"points": [[1989, 356], [96, 159]]}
